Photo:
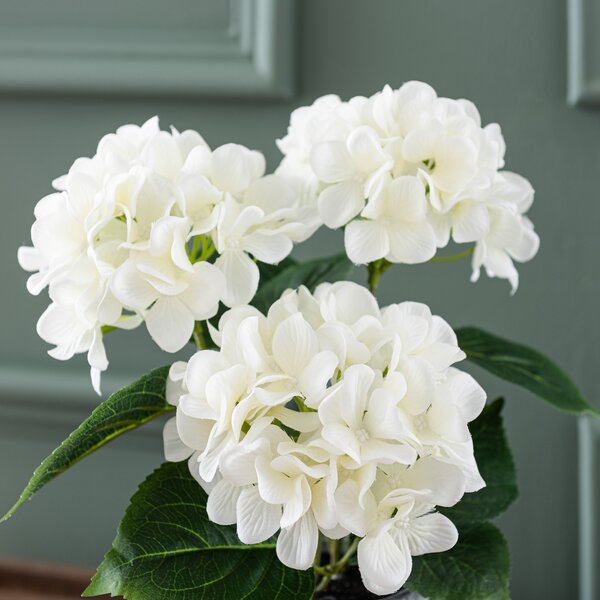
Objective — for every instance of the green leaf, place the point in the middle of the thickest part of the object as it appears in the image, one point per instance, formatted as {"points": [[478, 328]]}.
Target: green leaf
{"points": [[496, 466], [310, 274], [477, 568], [523, 366], [267, 272], [167, 549], [124, 410]]}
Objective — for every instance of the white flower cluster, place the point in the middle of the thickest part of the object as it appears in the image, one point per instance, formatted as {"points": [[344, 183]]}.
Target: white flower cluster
{"points": [[129, 234], [330, 414], [406, 170]]}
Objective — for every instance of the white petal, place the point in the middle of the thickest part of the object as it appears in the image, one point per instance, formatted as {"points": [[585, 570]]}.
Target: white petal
{"points": [[405, 199], [163, 156], [29, 258], [175, 449], [304, 422], [297, 545], [237, 464], [470, 222], [170, 323], [420, 386], [297, 504], [455, 164], [526, 246], [498, 263], [349, 304], [341, 202], [420, 144], [193, 432], [221, 504], [58, 325], [314, 378], [130, 289], [201, 367], [250, 344], [445, 481], [234, 167], [366, 241], [351, 515], [294, 344], [342, 438], [323, 505], [468, 394], [364, 145], [226, 387], [195, 407], [384, 566], [431, 533], [206, 288], [256, 519], [241, 274], [268, 248], [446, 420], [274, 487], [378, 451], [515, 189], [331, 162], [441, 224], [97, 354], [411, 243], [193, 467], [175, 388], [245, 219]]}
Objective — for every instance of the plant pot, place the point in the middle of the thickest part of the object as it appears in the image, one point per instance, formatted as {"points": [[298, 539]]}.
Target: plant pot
{"points": [[350, 587]]}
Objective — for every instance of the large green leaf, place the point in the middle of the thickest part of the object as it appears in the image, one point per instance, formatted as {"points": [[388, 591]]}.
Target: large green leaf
{"points": [[167, 549], [310, 274], [124, 410], [524, 366], [267, 272], [477, 568], [496, 466]]}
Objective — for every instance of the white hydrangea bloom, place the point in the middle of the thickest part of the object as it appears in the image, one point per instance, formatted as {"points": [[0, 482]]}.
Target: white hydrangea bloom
{"points": [[404, 171], [510, 235], [332, 415], [157, 227]]}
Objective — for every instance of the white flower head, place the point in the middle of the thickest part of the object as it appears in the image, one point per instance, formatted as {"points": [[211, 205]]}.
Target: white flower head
{"points": [[405, 171], [157, 227], [329, 414]]}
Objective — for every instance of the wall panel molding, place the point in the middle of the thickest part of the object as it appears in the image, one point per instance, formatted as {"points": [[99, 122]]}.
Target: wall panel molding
{"points": [[37, 401], [589, 500], [583, 53], [251, 55]]}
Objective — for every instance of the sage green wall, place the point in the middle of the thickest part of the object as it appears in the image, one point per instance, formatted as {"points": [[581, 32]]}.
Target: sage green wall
{"points": [[509, 57]]}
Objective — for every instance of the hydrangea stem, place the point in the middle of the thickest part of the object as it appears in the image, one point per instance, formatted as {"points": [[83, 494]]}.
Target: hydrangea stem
{"points": [[376, 270], [335, 567], [379, 267], [454, 257], [198, 335]]}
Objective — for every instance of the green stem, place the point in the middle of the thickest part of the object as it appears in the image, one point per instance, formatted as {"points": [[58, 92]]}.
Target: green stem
{"points": [[343, 562], [202, 248], [198, 335], [379, 267], [335, 567], [195, 248], [376, 270], [322, 585], [208, 249], [453, 257], [333, 546]]}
